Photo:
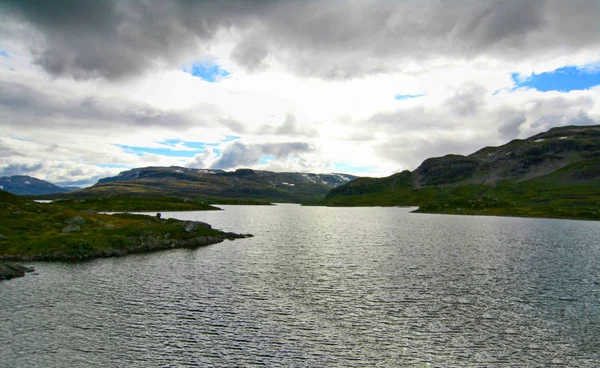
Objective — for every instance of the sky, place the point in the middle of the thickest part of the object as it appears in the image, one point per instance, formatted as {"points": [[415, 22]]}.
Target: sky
{"points": [[367, 87]]}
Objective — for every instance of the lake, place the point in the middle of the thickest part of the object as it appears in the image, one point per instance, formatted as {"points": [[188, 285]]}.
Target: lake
{"points": [[318, 286]]}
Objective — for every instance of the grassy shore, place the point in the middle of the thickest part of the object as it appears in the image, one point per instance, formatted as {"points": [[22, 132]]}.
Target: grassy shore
{"points": [[134, 204], [53, 231]]}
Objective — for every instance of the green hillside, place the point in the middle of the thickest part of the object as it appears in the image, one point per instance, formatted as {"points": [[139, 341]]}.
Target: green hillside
{"points": [[552, 174], [51, 231], [243, 186]]}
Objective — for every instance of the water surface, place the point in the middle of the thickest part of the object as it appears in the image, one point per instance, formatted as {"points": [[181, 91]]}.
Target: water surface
{"points": [[322, 286]]}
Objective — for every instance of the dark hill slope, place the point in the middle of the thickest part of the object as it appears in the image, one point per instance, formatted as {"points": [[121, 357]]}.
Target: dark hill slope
{"points": [[552, 174], [218, 186], [26, 185]]}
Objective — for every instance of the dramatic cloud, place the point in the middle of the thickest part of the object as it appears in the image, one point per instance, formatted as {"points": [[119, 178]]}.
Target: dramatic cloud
{"points": [[114, 39], [238, 154], [370, 87], [26, 106], [330, 39]]}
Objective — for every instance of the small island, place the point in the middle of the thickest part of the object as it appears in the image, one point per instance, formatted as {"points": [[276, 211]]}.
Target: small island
{"points": [[31, 231]]}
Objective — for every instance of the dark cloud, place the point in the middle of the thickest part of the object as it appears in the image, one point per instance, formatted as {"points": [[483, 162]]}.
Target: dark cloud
{"points": [[511, 127], [467, 100], [233, 125], [251, 53], [115, 39], [327, 39], [27, 106], [289, 127], [239, 154], [20, 169]]}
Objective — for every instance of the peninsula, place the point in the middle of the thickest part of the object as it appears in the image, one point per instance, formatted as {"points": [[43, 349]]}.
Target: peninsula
{"points": [[31, 231]]}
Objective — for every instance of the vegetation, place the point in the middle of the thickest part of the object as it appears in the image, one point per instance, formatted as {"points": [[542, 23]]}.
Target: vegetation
{"points": [[134, 203], [40, 231], [554, 174], [243, 186]]}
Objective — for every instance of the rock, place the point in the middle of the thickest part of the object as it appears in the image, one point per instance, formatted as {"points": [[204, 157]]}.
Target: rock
{"points": [[76, 220], [10, 270], [2, 237], [191, 227], [71, 229], [204, 225], [232, 236], [110, 226]]}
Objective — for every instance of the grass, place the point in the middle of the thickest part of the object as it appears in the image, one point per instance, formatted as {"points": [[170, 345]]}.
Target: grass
{"points": [[31, 229], [134, 203], [572, 193]]}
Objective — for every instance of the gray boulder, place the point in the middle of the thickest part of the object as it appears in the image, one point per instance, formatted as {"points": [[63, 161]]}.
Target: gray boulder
{"points": [[71, 229], [190, 227], [9, 271], [76, 220]]}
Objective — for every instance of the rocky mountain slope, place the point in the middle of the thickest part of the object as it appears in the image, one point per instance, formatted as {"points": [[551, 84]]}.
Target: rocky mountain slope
{"points": [[552, 174], [26, 185], [217, 185]]}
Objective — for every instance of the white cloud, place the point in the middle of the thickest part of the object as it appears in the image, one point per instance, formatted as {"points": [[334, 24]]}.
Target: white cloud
{"points": [[317, 75]]}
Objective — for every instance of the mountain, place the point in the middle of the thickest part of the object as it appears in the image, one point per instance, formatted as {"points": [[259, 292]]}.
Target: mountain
{"points": [[552, 174], [26, 185], [243, 185], [157, 172]]}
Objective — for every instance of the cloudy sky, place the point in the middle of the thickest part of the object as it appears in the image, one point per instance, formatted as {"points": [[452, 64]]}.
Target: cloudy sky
{"points": [[368, 87]]}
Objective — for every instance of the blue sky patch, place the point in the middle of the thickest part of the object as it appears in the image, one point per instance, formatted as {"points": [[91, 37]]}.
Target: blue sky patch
{"points": [[207, 70], [188, 144], [141, 151], [565, 79], [400, 97], [176, 148], [3, 53], [266, 159], [230, 138]]}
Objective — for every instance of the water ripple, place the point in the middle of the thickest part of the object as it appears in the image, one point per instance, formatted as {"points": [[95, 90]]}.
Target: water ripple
{"points": [[322, 287]]}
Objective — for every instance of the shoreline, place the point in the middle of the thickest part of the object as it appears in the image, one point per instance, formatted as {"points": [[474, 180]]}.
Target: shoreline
{"points": [[142, 245], [13, 270], [467, 212], [10, 270]]}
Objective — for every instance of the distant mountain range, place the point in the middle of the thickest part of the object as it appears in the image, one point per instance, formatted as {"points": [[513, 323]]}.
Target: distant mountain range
{"points": [[26, 185], [552, 174], [213, 186]]}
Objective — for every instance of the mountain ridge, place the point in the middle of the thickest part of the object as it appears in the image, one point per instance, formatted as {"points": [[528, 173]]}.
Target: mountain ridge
{"points": [[551, 174], [212, 186], [27, 185]]}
